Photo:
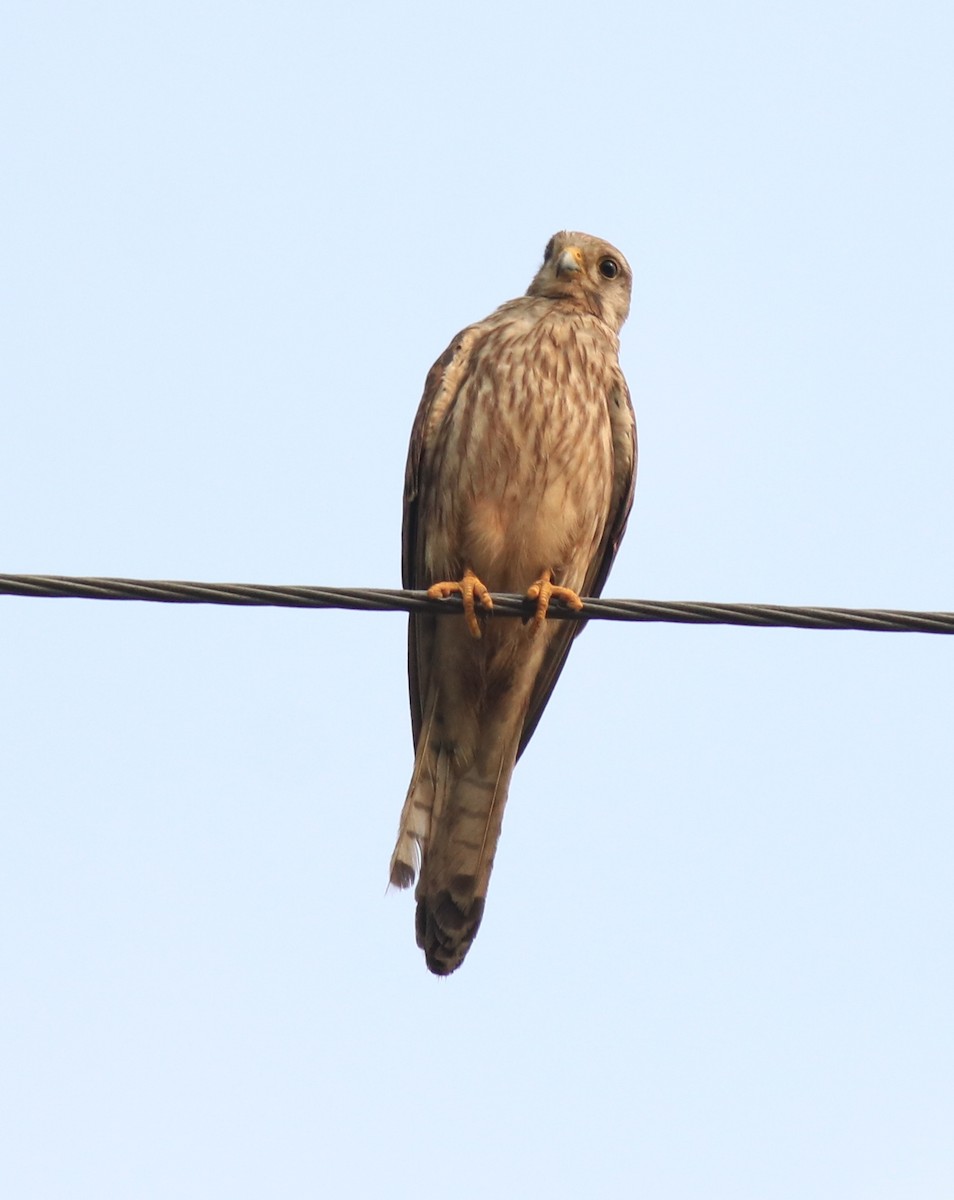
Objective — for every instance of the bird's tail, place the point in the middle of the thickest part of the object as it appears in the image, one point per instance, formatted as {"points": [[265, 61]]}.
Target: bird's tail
{"points": [[455, 871], [415, 824], [455, 819]]}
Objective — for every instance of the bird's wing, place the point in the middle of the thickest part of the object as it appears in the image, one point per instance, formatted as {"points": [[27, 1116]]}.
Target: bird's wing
{"points": [[440, 389], [623, 426]]}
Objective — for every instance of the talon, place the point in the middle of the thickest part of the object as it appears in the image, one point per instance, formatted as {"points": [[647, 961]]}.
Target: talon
{"points": [[543, 591], [469, 588]]}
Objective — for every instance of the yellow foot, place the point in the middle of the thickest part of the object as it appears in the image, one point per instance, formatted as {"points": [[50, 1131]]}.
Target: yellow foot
{"points": [[469, 588], [543, 591]]}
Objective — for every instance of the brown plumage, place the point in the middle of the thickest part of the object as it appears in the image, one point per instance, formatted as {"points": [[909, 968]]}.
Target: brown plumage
{"points": [[519, 478]]}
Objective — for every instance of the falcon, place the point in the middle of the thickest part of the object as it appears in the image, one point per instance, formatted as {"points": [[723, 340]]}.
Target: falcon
{"points": [[519, 478]]}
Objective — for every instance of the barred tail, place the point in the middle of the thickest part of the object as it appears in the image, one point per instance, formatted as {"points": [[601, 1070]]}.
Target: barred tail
{"points": [[457, 862]]}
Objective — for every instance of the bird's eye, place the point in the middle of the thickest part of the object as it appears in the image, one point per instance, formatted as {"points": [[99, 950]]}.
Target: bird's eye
{"points": [[609, 268], [549, 250]]}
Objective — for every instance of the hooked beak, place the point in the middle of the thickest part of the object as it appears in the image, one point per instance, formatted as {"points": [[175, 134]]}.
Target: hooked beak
{"points": [[569, 262]]}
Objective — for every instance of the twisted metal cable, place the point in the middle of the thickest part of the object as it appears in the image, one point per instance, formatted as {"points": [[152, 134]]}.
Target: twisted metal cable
{"points": [[396, 600]]}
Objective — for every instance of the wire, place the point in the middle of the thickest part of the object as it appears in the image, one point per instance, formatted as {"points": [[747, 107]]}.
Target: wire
{"points": [[388, 600]]}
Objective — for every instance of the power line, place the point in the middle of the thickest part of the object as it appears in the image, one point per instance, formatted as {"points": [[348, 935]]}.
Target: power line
{"points": [[396, 600]]}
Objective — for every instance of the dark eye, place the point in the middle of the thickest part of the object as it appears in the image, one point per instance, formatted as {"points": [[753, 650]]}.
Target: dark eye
{"points": [[609, 268], [549, 250]]}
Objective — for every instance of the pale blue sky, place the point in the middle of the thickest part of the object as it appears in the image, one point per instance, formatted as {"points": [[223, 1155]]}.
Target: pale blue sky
{"points": [[716, 960]]}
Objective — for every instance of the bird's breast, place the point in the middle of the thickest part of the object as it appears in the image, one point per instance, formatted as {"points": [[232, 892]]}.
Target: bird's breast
{"points": [[527, 460]]}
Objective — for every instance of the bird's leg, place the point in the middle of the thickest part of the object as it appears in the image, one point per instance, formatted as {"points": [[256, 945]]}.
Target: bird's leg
{"points": [[545, 590], [470, 589]]}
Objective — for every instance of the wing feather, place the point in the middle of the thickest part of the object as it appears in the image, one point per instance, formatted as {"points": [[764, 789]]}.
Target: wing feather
{"points": [[440, 389]]}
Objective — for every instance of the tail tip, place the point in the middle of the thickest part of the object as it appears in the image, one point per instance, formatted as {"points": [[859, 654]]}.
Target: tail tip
{"points": [[446, 928]]}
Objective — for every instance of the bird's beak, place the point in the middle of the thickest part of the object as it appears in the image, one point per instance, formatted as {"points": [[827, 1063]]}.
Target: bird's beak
{"points": [[569, 262]]}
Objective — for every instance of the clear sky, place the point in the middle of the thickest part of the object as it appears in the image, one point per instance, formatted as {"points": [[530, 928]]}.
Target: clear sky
{"points": [[717, 954]]}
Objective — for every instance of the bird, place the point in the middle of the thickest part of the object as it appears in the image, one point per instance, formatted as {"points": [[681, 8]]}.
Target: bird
{"points": [[519, 478]]}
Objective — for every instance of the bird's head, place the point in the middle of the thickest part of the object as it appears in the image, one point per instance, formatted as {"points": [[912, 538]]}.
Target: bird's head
{"points": [[588, 271]]}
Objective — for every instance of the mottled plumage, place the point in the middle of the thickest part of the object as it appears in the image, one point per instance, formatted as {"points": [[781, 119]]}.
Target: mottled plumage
{"points": [[520, 473]]}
